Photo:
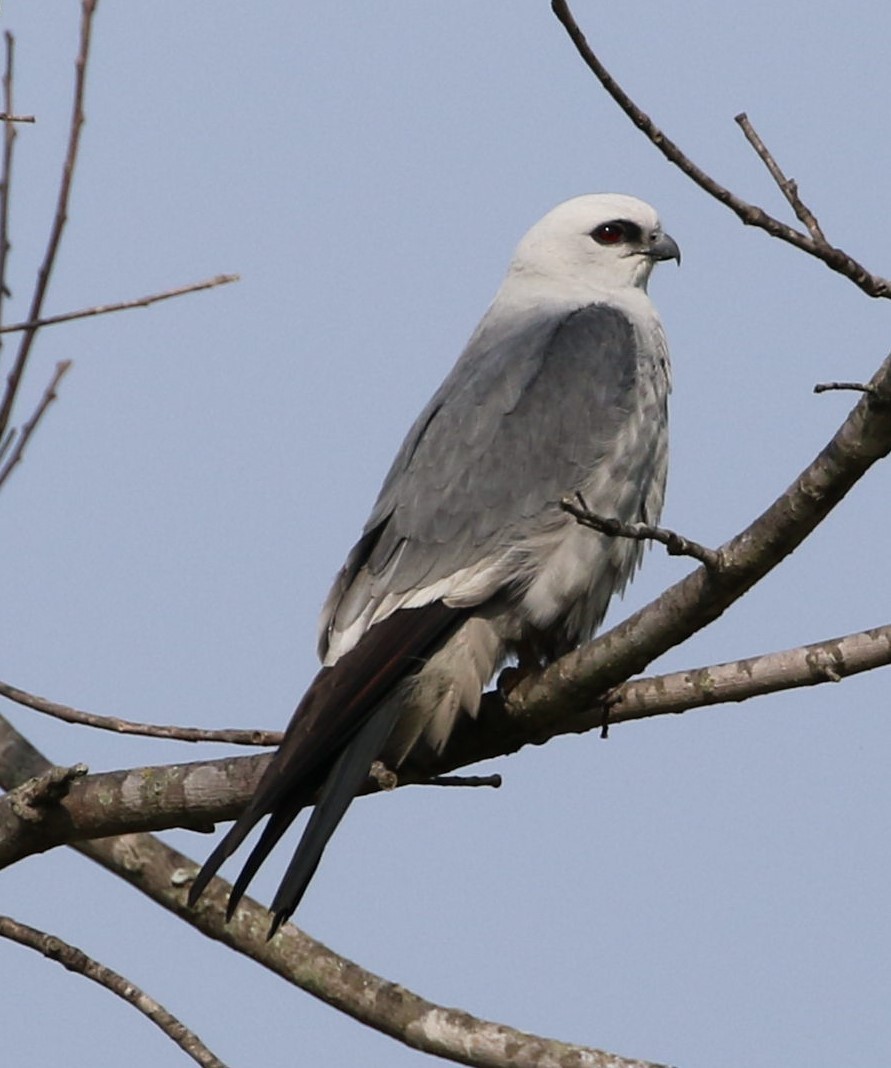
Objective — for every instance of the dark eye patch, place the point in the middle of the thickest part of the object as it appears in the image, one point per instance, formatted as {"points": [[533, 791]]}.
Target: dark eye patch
{"points": [[616, 232]]}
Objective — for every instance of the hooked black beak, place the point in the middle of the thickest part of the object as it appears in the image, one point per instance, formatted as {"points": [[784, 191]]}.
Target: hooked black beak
{"points": [[663, 247]]}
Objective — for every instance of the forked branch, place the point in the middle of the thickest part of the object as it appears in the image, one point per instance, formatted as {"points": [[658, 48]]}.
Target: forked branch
{"points": [[164, 875], [14, 379], [752, 215]]}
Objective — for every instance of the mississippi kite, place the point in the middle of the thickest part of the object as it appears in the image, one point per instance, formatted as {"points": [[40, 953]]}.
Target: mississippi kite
{"points": [[467, 558]]}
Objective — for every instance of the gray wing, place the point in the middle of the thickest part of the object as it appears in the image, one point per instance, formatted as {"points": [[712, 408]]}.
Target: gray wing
{"points": [[520, 421]]}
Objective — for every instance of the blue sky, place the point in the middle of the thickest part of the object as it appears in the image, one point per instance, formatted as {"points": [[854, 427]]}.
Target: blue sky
{"points": [[710, 889]]}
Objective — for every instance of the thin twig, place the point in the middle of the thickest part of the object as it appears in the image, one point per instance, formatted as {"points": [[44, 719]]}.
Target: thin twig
{"points": [[124, 305], [676, 544], [147, 730], [860, 387], [88, 8], [834, 258], [787, 186], [75, 960], [9, 136], [28, 429], [494, 781], [6, 117]]}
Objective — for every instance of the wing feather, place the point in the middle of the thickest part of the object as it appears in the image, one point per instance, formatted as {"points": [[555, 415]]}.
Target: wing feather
{"points": [[521, 421]]}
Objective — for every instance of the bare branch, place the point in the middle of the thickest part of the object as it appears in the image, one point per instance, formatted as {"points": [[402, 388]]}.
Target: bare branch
{"points": [[163, 875], [148, 730], [13, 381], [197, 795], [787, 186], [24, 435], [193, 795], [75, 960], [836, 259], [809, 665], [675, 544], [859, 387], [9, 136], [32, 800], [465, 780], [121, 801], [124, 305], [576, 680], [6, 117]]}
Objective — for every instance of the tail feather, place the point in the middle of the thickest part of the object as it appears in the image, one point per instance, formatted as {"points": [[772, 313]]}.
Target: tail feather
{"points": [[343, 783], [280, 820], [224, 849], [336, 733]]}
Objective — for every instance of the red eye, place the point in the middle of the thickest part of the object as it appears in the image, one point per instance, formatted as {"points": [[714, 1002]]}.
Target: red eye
{"points": [[610, 233]]}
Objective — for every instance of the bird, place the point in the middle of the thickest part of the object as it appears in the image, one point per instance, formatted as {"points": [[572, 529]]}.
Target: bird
{"points": [[467, 559]]}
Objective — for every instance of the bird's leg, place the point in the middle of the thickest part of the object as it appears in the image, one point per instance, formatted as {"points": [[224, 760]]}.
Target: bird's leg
{"points": [[529, 661], [606, 705]]}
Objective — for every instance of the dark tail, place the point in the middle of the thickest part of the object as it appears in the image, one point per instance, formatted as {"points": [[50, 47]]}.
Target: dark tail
{"points": [[343, 783], [338, 731]]}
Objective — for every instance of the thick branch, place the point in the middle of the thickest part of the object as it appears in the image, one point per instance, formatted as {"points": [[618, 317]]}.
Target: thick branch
{"points": [[838, 260], [200, 794], [740, 680], [163, 875], [75, 960], [121, 801], [31, 801]]}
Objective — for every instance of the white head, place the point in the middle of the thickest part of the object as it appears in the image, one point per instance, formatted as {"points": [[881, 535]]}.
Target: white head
{"points": [[599, 241]]}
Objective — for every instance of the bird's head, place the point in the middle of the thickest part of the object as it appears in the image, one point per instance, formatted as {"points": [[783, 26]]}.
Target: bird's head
{"points": [[602, 240]]}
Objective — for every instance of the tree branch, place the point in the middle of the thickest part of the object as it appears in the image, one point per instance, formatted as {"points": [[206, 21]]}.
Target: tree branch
{"points": [[856, 387], [675, 544], [13, 381], [75, 960], [554, 701], [163, 875], [122, 801], [67, 714], [123, 305], [787, 186], [544, 701], [31, 801], [9, 135], [24, 435], [197, 795], [836, 259], [755, 676]]}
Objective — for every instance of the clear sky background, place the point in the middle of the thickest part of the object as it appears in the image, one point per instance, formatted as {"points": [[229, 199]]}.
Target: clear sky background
{"points": [[704, 890]]}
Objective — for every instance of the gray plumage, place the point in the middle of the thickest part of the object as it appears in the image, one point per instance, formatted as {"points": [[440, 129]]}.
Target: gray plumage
{"points": [[467, 558]]}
